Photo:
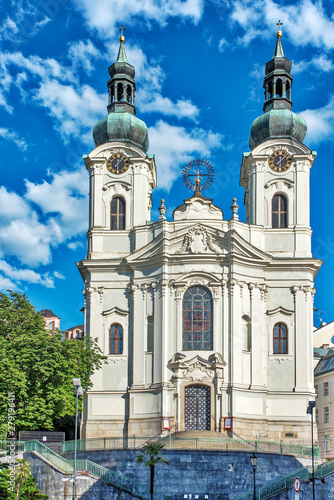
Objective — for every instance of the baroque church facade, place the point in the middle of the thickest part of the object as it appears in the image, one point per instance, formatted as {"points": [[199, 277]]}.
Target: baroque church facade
{"points": [[201, 318]]}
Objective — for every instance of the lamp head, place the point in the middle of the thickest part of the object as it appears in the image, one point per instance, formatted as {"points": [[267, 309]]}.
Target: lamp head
{"points": [[76, 382], [253, 459]]}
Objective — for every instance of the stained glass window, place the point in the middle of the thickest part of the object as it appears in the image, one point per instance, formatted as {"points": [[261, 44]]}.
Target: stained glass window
{"points": [[116, 339], [197, 319]]}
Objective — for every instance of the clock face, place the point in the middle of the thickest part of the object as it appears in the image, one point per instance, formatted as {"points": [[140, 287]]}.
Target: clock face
{"points": [[118, 163], [280, 161]]}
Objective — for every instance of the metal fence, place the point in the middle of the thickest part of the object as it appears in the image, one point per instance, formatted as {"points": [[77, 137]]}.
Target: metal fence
{"points": [[181, 443], [95, 470], [275, 486], [6, 446]]}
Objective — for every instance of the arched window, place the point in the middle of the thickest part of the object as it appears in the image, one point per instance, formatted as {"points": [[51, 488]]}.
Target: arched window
{"points": [[279, 211], [120, 92], [116, 339], [279, 88], [197, 319], [128, 93], [280, 339], [117, 213]]}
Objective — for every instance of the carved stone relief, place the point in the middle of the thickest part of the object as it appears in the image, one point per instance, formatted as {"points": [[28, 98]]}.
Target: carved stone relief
{"points": [[197, 369], [198, 240]]}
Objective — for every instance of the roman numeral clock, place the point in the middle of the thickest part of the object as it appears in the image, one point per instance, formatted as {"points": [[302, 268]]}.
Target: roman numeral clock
{"points": [[280, 161], [118, 163]]}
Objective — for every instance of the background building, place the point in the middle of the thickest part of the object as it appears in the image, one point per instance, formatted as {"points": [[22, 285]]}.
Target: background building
{"points": [[324, 411], [52, 322], [75, 332], [201, 317]]}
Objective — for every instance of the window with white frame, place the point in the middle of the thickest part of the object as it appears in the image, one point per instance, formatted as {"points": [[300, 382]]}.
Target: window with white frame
{"points": [[317, 415], [326, 443], [326, 414], [325, 389]]}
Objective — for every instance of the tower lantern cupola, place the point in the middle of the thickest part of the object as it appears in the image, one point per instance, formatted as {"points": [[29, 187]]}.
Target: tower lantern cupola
{"points": [[278, 80], [121, 124], [121, 86], [278, 120]]}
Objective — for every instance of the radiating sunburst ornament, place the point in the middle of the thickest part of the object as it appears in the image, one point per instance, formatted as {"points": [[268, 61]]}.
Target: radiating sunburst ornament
{"points": [[198, 175]]}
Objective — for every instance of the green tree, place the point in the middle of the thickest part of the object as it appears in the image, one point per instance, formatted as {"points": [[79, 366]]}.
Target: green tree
{"points": [[25, 485], [150, 455], [38, 366]]}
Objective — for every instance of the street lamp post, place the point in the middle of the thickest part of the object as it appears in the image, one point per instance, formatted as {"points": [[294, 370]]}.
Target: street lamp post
{"points": [[78, 392], [309, 411], [253, 459]]}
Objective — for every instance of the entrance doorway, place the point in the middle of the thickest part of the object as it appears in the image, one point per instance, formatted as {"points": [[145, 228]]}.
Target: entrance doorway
{"points": [[197, 407]]}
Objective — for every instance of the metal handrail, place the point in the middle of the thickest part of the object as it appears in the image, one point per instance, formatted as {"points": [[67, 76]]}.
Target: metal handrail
{"points": [[276, 486], [174, 442], [96, 470]]}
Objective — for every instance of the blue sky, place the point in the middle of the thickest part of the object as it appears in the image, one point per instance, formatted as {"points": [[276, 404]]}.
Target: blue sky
{"points": [[199, 73]]}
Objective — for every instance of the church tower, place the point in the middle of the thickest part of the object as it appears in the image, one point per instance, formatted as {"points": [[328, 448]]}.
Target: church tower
{"points": [[276, 173], [122, 175]]}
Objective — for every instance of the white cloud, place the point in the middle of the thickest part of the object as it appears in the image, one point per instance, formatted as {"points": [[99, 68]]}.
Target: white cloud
{"points": [[48, 214], [15, 276], [24, 19], [320, 122], [7, 284], [222, 44], [74, 108], [74, 245], [11, 135], [75, 111], [106, 16], [81, 53], [174, 146], [149, 98], [304, 22], [318, 63]]}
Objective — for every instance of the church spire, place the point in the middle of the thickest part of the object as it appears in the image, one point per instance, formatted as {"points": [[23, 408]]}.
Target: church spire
{"points": [[121, 124], [121, 86], [277, 120], [278, 80]]}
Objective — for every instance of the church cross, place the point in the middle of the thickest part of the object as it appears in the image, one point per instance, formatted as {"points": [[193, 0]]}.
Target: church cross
{"points": [[279, 24], [122, 29]]}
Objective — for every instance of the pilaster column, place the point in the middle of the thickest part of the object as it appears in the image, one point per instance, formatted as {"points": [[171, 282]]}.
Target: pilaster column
{"points": [[303, 345], [96, 212], [257, 336], [157, 333], [217, 307], [138, 337], [165, 329], [178, 319], [236, 343]]}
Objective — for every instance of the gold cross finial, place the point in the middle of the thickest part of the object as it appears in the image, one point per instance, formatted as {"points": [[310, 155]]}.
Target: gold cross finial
{"points": [[122, 38], [279, 32]]}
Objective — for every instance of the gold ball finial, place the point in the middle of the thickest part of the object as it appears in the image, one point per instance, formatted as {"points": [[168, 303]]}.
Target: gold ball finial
{"points": [[122, 39], [279, 32]]}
